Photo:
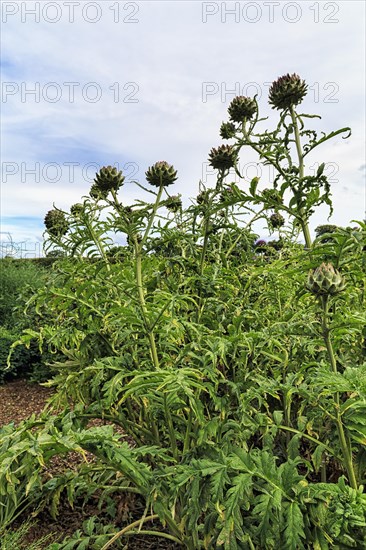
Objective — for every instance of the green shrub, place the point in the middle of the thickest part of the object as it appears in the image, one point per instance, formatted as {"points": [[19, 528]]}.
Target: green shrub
{"points": [[22, 359], [18, 279]]}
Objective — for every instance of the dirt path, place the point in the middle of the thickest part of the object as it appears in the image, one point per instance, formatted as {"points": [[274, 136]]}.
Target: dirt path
{"points": [[18, 401]]}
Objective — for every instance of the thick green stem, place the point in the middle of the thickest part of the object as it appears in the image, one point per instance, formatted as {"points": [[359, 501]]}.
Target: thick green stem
{"points": [[187, 438], [303, 220], [152, 216], [202, 263], [140, 289], [309, 437], [155, 533], [204, 247], [346, 450], [129, 528], [98, 244], [173, 440], [138, 252], [260, 152]]}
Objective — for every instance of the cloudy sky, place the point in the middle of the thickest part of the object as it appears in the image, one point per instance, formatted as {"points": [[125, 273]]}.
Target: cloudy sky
{"points": [[85, 84]]}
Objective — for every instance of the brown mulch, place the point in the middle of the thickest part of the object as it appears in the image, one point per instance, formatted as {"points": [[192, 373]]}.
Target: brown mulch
{"points": [[19, 399]]}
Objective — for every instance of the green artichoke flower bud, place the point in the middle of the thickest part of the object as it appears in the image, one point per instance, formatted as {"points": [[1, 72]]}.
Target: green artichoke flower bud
{"points": [[174, 203], [242, 108], [202, 197], [56, 223], [277, 220], [96, 193], [108, 179], [130, 239], [327, 228], [161, 173], [272, 195], [287, 91], [277, 245], [76, 209], [128, 212], [223, 158], [325, 280], [226, 194], [227, 130], [117, 253], [260, 245]]}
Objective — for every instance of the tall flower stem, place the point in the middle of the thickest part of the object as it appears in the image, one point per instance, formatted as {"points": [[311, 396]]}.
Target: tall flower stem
{"points": [[205, 243], [346, 450], [138, 253], [97, 243], [152, 216], [140, 289], [303, 220]]}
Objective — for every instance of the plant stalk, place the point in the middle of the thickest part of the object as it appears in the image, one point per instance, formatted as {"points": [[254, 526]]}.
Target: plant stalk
{"points": [[303, 221], [140, 289], [346, 450], [151, 219], [187, 438], [128, 528], [173, 440]]}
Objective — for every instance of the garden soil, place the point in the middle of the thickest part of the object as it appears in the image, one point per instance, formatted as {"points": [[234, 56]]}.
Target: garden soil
{"points": [[20, 399]]}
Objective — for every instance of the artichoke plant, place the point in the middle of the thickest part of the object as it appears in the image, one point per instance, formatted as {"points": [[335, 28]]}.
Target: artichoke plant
{"points": [[108, 179], [327, 228], [242, 108], [325, 280], [287, 91], [161, 174], [227, 130], [272, 195], [174, 203], [56, 223], [96, 193], [223, 158], [76, 209], [277, 220]]}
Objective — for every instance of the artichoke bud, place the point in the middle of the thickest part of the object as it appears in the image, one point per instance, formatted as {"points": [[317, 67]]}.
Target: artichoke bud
{"points": [[56, 223], [117, 253], [223, 158], [202, 197], [325, 280], [260, 245], [277, 220], [76, 209], [226, 194], [108, 179], [277, 245], [272, 195], [326, 228], [227, 130], [130, 239], [174, 203], [128, 212], [287, 91], [242, 108], [96, 193], [161, 174]]}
